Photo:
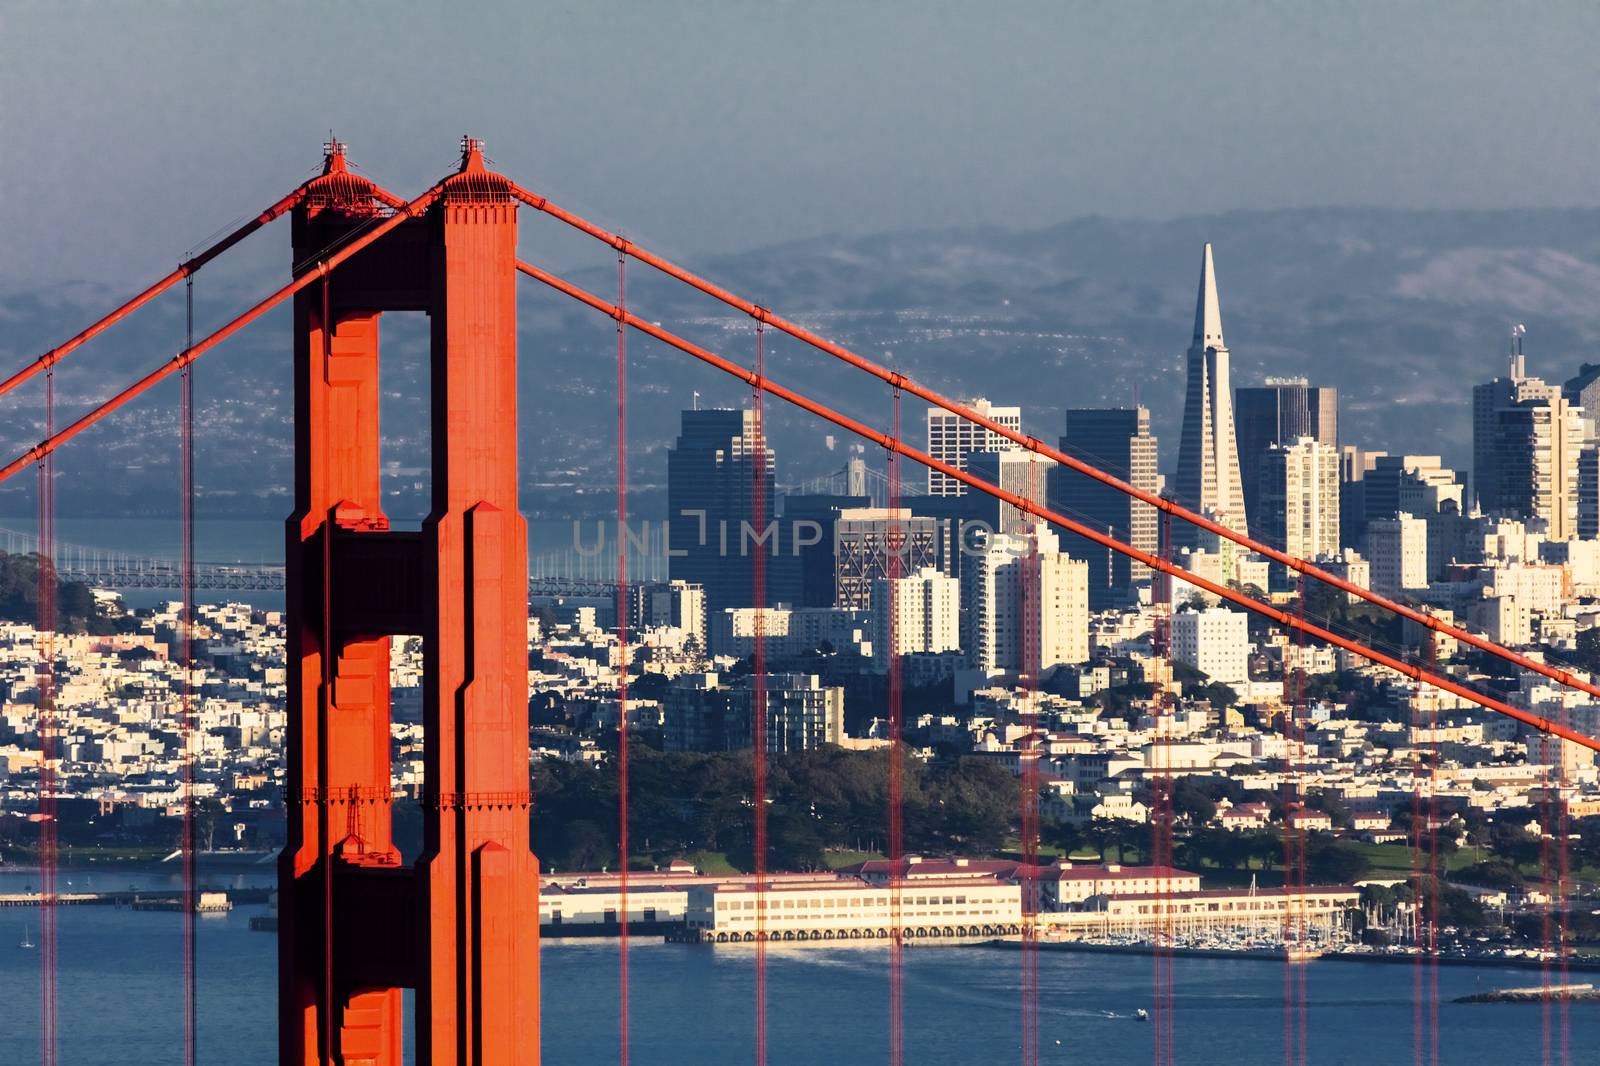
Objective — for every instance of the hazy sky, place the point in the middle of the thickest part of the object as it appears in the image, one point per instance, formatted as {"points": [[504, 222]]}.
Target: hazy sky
{"points": [[129, 131]]}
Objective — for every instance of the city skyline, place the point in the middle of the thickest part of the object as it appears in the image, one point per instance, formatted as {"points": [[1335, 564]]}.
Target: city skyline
{"points": [[517, 594]]}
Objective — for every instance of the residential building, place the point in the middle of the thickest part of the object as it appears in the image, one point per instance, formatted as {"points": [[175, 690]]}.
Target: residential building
{"points": [[917, 613], [1397, 551], [1297, 502], [1215, 641]]}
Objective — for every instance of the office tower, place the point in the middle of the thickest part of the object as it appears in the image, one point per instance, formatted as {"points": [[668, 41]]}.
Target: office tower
{"points": [[952, 438], [1215, 641], [1298, 508], [1397, 552], [1020, 473], [1027, 606], [866, 538], [1118, 441], [915, 614], [1354, 465], [1419, 485], [1208, 459], [1589, 492], [702, 712], [1279, 411], [712, 524], [808, 531], [1525, 443], [1582, 391]]}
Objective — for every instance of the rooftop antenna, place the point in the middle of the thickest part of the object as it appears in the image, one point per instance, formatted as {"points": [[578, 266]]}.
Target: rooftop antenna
{"points": [[695, 404], [1517, 333]]}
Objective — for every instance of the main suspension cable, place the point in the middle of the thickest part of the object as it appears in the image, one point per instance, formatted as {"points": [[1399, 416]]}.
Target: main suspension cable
{"points": [[186, 269]]}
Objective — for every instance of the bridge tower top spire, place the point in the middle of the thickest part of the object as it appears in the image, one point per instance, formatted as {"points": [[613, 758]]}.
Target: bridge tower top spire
{"points": [[471, 155], [333, 155]]}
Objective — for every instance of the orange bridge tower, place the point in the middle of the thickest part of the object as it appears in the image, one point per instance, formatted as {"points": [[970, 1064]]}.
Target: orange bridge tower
{"points": [[461, 925]]}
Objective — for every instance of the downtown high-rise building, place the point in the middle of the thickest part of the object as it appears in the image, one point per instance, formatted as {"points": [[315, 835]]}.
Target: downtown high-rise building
{"points": [[915, 614], [1297, 510], [1117, 441], [1278, 411], [870, 543], [1208, 457], [1525, 442], [952, 439], [713, 525], [1027, 606]]}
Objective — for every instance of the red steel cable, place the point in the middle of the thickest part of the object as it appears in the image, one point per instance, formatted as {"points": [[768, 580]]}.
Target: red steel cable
{"points": [[893, 542], [1161, 823], [186, 728], [1280, 617], [44, 636], [1161, 503], [1435, 874], [186, 269], [1030, 630], [54, 440], [758, 702], [623, 605]]}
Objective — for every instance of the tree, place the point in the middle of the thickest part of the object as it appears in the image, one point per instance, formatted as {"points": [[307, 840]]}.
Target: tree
{"points": [[1335, 861]]}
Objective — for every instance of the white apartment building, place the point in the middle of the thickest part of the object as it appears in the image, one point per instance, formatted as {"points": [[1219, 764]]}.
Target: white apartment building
{"points": [[920, 612], [1397, 551], [952, 438], [1215, 641], [1027, 605], [1300, 497]]}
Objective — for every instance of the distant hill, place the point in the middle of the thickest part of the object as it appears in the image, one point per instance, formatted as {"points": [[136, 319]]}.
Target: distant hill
{"points": [[1401, 310]]}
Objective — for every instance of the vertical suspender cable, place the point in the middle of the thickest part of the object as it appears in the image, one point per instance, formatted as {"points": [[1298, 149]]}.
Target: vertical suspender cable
{"points": [[758, 702], [623, 607], [892, 545], [44, 636], [1161, 827], [186, 706], [1030, 630]]}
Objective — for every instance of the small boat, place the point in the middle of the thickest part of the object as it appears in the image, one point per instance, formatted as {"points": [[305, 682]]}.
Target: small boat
{"points": [[1141, 1015], [26, 943]]}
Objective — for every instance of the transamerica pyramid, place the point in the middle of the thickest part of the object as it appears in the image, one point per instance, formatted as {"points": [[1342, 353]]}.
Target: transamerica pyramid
{"points": [[1208, 457]]}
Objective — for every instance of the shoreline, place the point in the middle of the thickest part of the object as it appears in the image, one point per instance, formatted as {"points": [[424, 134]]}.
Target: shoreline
{"points": [[1275, 956]]}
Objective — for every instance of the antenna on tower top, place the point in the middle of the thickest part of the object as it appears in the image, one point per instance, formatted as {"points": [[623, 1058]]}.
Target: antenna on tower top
{"points": [[1517, 333]]}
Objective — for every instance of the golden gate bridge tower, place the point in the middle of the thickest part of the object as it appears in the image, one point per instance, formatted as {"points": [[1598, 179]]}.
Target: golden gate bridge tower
{"points": [[460, 926]]}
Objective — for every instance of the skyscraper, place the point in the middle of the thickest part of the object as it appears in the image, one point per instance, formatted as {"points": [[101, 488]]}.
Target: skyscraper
{"points": [[712, 524], [1277, 412], [1298, 506], [1208, 458], [1019, 472], [917, 613], [1027, 605], [952, 438], [1525, 443], [865, 542], [1118, 441]]}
